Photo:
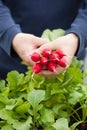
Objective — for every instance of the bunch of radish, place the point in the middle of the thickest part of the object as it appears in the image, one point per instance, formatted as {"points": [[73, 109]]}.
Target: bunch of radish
{"points": [[48, 60]]}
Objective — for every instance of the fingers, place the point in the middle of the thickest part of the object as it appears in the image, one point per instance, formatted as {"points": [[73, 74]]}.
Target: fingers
{"points": [[45, 46], [53, 45], [59, 68], [52, 74], [40, 41]]}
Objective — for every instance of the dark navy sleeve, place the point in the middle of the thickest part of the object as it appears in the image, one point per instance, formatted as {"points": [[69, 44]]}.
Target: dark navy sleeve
{"points": [[8, 28], [79, 27]]}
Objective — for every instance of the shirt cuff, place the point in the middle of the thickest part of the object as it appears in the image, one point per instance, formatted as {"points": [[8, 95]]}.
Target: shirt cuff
{"points": [[82, 42], [6, 39]]}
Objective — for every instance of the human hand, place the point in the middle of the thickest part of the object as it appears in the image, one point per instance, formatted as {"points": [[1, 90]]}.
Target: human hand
{"points": [[24, 44], [68, 44]]}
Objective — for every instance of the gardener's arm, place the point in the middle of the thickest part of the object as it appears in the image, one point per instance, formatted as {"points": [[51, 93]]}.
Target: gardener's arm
{"points": [[8, 28], [79, 27]]}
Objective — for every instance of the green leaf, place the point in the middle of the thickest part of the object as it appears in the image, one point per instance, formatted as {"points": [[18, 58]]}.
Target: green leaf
{"points": [[47, 115], [18, 125], [58, 90], [67, 79], [7, 127], [49, 128], [77, 63], [23, 108], [61, 124], [17, 102], [53, 34], [76, 74], [83, 90], [2, 84], [4, 99], [14, 79], [74, 97], [58, 108], [1, 105], [7, 115], [47, 34], [35, 97], [26, 125], [57, 33], [37, 82]]}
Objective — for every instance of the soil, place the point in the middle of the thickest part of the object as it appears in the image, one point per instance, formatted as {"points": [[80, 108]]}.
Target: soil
{"points": [[82, 126]]}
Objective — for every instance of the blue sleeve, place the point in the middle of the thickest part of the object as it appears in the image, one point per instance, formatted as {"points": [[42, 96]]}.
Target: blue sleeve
{"points": [[8, 28], [79, 27]]}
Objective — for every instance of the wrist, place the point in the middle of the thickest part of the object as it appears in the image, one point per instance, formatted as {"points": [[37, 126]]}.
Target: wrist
{"points": [[16, 39], [74, 41], [74, 37]]}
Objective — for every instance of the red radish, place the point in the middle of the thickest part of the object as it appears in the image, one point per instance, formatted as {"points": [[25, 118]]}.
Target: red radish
{"points": [[35, 57], [51, 66], [37, 68], [48, 60], [62, 63], [60, 53], [54, 57], [44, 60], [46, 52]]}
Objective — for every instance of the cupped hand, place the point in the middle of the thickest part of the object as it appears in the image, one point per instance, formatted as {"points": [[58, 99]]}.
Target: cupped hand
{"points": [[68, 44], [24, 44]]}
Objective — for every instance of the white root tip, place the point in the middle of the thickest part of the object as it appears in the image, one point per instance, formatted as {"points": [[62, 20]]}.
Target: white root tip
{"points": [[32, 76]]}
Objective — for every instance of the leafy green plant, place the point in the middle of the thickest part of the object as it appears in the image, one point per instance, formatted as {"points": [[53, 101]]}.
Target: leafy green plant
{"points": [[43, 103]]}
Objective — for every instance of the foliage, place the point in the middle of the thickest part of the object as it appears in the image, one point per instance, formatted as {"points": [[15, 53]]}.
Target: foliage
{"points": [[43, 103]]}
